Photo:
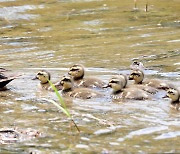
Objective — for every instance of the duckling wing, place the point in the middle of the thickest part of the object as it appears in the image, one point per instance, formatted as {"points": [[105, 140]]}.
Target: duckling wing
{"points": [[84, 93], [136, 94], [92, 83], [159, 84], [175, 106]]}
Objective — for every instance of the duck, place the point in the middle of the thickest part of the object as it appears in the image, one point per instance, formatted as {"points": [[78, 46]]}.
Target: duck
{"points": [[174, 95], [4, 80], [43, 76], [77, 73], [150, 85], [137, 65], [120, 91], [82, 93]]}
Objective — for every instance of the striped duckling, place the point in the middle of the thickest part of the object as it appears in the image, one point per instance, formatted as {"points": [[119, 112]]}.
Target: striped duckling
{"points": [[137, 65], [82, 93], [149, 85], [43, 76], [174, 95], [118, 84], [77, 73]]}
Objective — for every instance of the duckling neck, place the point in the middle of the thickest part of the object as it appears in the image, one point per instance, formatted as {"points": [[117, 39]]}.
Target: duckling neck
{"points": [[67, 90], [139, 82], [79, 77], [117, 92], [44, 82], [175, 102]]}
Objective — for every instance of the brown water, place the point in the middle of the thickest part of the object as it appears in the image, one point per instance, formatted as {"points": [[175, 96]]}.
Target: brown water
{"points": [[103, 35]]}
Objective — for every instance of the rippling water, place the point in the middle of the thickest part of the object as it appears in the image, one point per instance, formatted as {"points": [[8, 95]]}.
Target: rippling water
{"points": [[104, 36]]}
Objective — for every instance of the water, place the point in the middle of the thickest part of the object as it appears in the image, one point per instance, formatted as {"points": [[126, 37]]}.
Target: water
{"points": [[104, 36]]}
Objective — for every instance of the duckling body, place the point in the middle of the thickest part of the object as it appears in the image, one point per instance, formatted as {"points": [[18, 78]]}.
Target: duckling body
{"points": [[77, 73], [43, 76], [148, 85], [174, 95], [117, 83], [82, 93]]}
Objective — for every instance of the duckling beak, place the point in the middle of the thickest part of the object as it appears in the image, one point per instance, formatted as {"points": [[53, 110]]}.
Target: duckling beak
{"points": [[61, 83], [35, 78], [166, 96], [106, 86], [130, 77], [69, 73]]}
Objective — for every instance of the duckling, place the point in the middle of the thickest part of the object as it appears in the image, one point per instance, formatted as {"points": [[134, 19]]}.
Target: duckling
{"points": [[4, 80], [137, 65], [77, 72], [44, 76], [174, 94], [83, 93], [118, 83], [138, 77]]}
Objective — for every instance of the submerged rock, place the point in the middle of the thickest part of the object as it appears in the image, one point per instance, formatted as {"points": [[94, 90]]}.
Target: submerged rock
{"points": [[9, 136]]}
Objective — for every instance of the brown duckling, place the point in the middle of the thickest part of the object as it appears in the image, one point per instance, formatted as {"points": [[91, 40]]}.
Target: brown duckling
{"points": [[77, 72], [174, 95], [138, 77], [43, 76], [137, 65], [4, 80], [118, 83], [83, 93]]}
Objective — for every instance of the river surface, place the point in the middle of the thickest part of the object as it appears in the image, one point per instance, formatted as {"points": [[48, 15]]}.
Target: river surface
{"points": [[105, 36]]}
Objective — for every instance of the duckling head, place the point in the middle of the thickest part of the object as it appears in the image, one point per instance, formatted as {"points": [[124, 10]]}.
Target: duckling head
{"points": [[76, 71], [137, 76], [137, 65], [174, 95], [67, 83], [43, 76], [116, 84]]}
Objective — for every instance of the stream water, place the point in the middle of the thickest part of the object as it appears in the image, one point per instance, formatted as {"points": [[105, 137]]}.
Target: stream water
{"points": [[105, 36]]}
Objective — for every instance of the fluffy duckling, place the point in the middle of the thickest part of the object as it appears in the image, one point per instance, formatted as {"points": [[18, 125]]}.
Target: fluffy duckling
{"points": [[175, 98], [43, 76], [118, 83], [137, 65], [83, 93], [138, 77], [77, 72], [4, 80]]}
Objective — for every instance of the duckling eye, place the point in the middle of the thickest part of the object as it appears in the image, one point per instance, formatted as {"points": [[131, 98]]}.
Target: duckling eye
{"points": [[113, 81], [136, 63], [74, 69], [39, 73], [170, 92], [66, 79], [136, 74]]}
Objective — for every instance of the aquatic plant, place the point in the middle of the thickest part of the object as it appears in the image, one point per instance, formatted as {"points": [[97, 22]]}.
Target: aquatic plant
{"points": [[135, 4], [62, 105], [146, 5]]}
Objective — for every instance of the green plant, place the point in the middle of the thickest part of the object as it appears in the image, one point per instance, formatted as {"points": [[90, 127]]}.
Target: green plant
{"points": [[62, 105]]}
